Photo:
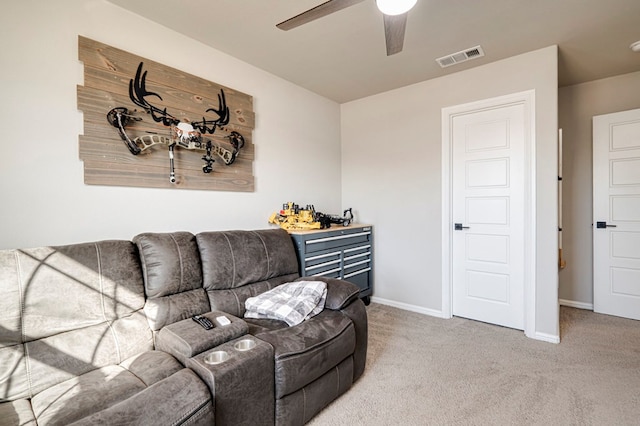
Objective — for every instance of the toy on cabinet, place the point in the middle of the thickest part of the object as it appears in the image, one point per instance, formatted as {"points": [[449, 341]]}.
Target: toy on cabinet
{"points": [[291, 216]]}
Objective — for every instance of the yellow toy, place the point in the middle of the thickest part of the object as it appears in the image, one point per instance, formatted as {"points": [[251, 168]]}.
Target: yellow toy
{"points": [[292, 217]]}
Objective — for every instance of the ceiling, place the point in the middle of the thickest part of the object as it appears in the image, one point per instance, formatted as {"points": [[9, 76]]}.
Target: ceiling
{"points": [[342, 56]]}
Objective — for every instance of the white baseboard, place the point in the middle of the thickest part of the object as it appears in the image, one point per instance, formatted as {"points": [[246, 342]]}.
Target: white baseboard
{"points": [[574, 304], [551, 338], [408, 307], [435, 313]]}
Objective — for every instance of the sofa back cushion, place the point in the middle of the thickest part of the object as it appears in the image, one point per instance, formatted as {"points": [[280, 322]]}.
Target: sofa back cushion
{"points": [[231, 259], [66, 311], [172, 274], [241, 264]]}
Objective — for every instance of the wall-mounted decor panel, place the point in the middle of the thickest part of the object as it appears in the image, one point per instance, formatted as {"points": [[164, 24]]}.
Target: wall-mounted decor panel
{"points": [[149, 125]]}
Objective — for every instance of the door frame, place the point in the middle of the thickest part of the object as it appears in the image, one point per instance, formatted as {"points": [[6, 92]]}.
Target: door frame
{"points": [[526, 98]]}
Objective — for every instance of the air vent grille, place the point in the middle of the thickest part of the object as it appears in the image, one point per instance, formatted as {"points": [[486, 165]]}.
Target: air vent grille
{"points": [[462, 56]]}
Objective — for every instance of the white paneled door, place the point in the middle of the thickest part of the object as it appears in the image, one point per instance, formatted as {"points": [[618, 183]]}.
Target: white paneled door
{"points": [[488, 198], [616, 214]]}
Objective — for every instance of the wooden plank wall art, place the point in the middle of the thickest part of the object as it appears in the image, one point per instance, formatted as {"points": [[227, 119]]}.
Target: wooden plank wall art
{"points": [[149, 125]]}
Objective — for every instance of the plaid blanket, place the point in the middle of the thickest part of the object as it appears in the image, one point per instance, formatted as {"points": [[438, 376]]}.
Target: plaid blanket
{"points": [[290, 302]]}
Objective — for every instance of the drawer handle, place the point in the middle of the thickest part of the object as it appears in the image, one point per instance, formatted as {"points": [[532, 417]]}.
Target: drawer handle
{"points": [[338, 237], [357, 248], [351, 265], [320, 265], [320, 256], [327, 272], [357, 256], [362, 271]]}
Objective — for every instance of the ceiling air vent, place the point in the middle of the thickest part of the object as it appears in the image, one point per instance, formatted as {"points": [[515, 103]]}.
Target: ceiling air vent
{"points": [[462, 56]]}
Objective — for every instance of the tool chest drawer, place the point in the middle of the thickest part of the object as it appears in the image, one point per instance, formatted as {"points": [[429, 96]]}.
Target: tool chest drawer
{"points": [[338, 252]]}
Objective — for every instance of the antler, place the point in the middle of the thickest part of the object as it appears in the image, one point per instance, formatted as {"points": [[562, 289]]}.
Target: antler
{"points": [[138, 92], [222, 120]]}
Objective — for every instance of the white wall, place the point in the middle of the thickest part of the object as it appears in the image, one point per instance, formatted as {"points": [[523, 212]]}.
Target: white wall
{"points": [[391, 171], [44, 199], [577, 105]]}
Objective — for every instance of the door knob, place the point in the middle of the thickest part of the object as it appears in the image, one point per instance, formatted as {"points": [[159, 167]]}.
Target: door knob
{"points": [[459, 227], [602, 225]]}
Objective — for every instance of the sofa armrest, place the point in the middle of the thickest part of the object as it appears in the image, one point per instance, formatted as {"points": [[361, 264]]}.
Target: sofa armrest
{"points": [[185, 339], [340, 293]]}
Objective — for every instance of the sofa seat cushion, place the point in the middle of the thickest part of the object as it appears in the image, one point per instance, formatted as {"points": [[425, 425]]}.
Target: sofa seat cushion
{"points": [[308, 350], [257, 326], [110, 386]]}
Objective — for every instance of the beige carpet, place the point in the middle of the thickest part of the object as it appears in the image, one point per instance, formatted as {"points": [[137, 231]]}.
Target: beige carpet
{"points": [[428, 371]]}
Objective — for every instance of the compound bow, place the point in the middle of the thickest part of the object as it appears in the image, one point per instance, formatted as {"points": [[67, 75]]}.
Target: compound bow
{"points": [[182, 134]]}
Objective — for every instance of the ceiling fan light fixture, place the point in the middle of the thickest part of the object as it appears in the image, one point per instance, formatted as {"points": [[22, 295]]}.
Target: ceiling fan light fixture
{"points": [[395, 7], [635, 46]]}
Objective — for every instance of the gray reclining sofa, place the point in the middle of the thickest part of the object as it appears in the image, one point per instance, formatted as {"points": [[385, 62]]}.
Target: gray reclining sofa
{"points": [[101, 333]]}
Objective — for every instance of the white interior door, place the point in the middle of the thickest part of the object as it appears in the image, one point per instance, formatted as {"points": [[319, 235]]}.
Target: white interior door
{"points": [[488, 198], [616, 214]]}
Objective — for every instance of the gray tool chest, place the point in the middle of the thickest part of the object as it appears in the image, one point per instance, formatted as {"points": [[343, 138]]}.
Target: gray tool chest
{"points": [[338, 252]]}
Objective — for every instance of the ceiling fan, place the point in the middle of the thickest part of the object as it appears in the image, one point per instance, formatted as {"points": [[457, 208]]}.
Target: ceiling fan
{"points": [[394, 12]]}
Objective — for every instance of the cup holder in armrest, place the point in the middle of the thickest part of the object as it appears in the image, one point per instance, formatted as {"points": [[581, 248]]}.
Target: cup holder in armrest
{"points": [[216, 357], [220, 356], [245, 345]]}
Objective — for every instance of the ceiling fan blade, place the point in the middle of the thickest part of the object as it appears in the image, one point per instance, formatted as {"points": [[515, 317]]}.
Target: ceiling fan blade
{"points": [[319, 11], [394, 28]]}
